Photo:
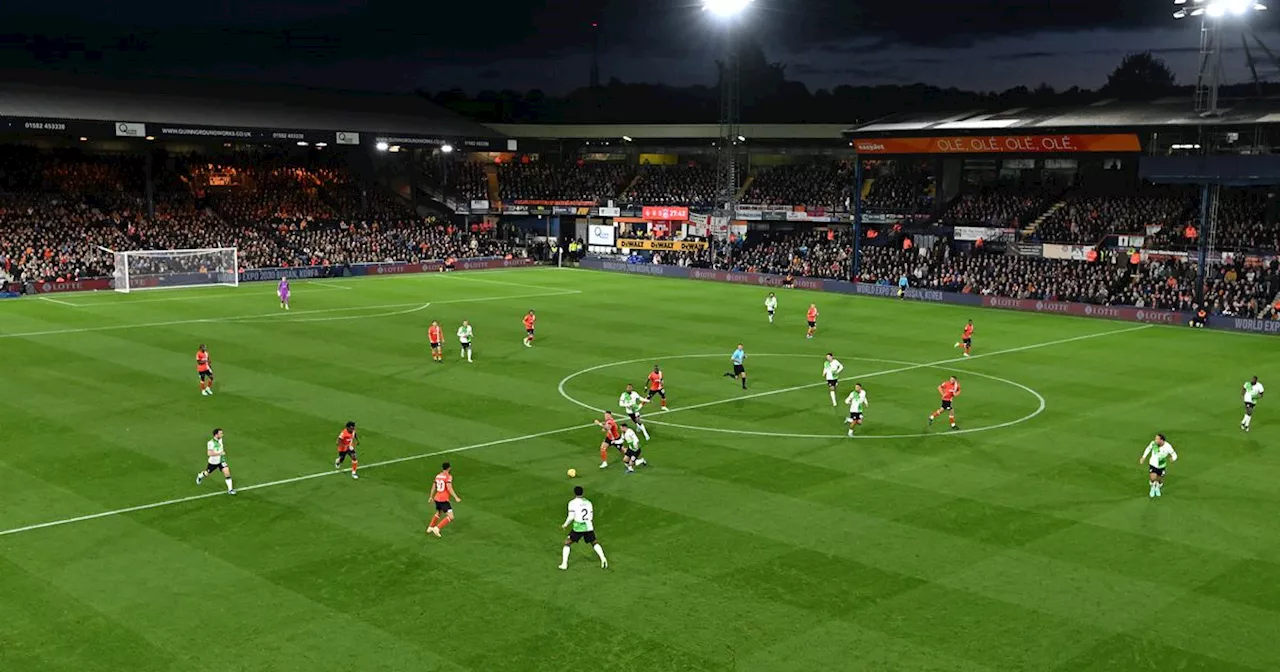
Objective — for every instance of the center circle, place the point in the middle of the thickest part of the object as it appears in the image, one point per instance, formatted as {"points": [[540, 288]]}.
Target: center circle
{"points": [[906, 366]]}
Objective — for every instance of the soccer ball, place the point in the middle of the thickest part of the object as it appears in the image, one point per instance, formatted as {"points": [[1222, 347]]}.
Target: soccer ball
{"points": [[573, 473]]}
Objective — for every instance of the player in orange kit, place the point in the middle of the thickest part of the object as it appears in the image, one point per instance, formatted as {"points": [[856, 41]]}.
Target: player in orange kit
{"points": [[347, 442], [812, 317], [967, 338], [204, 371], [436, 336], [657, 386], [529, 320], [612, 437], [949, 390], [441, 491]]}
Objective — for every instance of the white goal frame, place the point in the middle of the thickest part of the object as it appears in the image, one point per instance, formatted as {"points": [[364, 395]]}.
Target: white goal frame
{"points": [[212, 267]]}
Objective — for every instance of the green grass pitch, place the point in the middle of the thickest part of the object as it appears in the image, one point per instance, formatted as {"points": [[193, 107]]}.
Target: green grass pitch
{"points": [[760, 538]]}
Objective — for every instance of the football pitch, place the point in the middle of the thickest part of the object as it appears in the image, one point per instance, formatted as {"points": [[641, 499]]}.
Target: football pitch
{"points": [[759, 537]]}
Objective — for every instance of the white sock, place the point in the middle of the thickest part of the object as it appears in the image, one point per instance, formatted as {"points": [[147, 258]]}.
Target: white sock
{"points": [[833, 398], [600, 552], [564, 556], [645, 432], [229, 486], [1248, 420]]}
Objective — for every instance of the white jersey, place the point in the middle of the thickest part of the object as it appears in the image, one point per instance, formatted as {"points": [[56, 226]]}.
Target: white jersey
{"points": [[771, 303], [857, 401], [464, 334], [630, 438], [631, 402], [581, 515], [1253, 392], [215, 451], [1160, 455], [831, 369]]}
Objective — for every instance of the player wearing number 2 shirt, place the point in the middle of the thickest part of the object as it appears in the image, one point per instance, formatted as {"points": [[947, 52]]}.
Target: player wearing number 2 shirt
{"points": [[441, 491], [581, 517]]}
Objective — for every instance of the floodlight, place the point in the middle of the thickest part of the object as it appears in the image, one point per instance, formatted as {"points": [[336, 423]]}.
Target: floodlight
{"points": [[302, 143], [626, 138], [151, 137], [1216, 9], [322, 144], [395, 148], [742, 138], [382, 146], [725, 9], [446, 148]]}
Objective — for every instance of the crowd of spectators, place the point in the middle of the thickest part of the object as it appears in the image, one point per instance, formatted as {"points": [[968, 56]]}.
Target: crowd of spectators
{"points": [[1087, 219], [899, 187], [691, 184], [1231, 289], [997, 206], [574, 181], [825, 184], [60, 215]]}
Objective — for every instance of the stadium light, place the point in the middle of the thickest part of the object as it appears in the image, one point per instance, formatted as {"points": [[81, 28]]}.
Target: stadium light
{"points": [[446, 148], [626, 138], [382, 146], [725, 9], [302, 143], [1215, 9]]}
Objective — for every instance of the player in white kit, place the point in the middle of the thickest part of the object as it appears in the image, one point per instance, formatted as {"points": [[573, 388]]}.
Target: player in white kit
{"points": [[831, 373], [1252, 394], [217, 455], [465, 334], [1160, 452], [771, 305], [582, 517], [631, 401], [857, 401]]}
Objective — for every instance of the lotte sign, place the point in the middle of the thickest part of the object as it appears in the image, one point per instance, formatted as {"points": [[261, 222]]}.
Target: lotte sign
{"points": [[1003, 144]]}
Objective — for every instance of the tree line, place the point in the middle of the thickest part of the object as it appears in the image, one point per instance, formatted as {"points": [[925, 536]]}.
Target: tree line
{"points": [[768, 96]]}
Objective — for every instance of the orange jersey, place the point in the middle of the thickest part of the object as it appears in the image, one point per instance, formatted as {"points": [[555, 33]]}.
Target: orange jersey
{"points": [[202, 360], [968, 331], [949, 390], [655, 381], [529, 320], [435, 334], [611, 430], [345, 438], [444, 480], [813, 314]]}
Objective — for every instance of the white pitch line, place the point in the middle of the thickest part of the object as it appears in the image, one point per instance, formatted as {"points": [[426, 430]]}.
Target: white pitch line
{"points": [[498, 442], [328, 285], [286, 481], [59, 302], [913, 367], [214, 320]]}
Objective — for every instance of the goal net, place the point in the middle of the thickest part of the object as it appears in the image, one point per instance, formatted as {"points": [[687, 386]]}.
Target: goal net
{"points": [[166, 269]]}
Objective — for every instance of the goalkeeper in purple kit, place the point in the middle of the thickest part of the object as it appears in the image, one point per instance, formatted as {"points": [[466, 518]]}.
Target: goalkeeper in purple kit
{"points": [[282, 290]]}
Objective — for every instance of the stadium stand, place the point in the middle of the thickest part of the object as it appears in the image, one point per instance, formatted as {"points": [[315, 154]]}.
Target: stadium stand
{"points": [[572, 181], [692, 184]]}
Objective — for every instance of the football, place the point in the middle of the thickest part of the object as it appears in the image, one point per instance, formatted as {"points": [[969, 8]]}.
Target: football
{"points": [[573, 473]]}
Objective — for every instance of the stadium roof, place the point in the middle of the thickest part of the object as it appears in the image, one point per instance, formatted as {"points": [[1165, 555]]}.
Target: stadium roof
{"points": [[669, 131], [217, 105], [1102, 115]]}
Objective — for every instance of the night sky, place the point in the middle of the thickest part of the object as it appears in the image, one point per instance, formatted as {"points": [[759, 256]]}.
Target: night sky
{"points": [[524, 44]]}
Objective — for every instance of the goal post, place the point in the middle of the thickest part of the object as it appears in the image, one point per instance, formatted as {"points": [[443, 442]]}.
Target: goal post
{"points": [[168, 269]]}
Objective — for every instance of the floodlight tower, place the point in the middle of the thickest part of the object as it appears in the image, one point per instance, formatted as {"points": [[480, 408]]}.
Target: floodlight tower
{"points": [[727, 12], [1213, 14]]}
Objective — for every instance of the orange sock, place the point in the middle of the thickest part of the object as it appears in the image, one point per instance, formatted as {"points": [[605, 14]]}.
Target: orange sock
{"points": [[604, 454], [444, 522], [434, 519], [934, 414], [354, 465], [953, 418], [664, 403]]}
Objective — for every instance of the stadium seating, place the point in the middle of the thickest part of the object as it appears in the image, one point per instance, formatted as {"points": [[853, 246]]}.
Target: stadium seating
{"points": [[575, 181], [690, 184]]}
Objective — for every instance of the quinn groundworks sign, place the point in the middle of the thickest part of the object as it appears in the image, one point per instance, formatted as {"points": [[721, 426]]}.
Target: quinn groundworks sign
{"points": [[1127, 313]]}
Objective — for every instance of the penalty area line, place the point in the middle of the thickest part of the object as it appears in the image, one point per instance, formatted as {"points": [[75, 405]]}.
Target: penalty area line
{"points": [[287, 481]]}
